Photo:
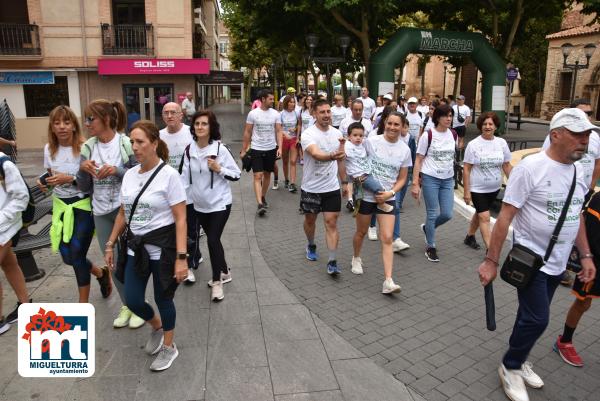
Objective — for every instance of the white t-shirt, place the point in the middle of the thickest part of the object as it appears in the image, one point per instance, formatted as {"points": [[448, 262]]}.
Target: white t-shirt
{"points": [[64, 162], [378, 111], [188, 106], [307, 119], [387, 159], [338, 113], [357, 162], [369, 106], [176, 142], [439, 159], [105, 198], [405, 139], [423, 109], [415, 122], [289, 122], [429, 125], [402, 109], [153, 210], [349, 120], [263, 128], [320, 176], [538, 186], [588, 161], [487, 157], [465, 112]]}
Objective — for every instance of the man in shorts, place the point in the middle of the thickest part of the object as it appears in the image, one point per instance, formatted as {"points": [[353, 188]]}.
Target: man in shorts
{"points": [[461, 119], [324, 156], [263, 138], [584, 292]]}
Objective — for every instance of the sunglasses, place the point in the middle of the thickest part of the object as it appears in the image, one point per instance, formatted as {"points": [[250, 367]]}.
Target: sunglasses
{"points": [[88, 120]]}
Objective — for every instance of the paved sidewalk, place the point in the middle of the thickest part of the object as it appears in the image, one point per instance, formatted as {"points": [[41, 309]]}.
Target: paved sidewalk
{"points": [[259, 343]]}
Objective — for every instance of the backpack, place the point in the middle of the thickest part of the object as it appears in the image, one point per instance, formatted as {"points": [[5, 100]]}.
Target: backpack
{"points": [[186, 154], [28, 214], [430, 137], [126, 149], [425, 121]]}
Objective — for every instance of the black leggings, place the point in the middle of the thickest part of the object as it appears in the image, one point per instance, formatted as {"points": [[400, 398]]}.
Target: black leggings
{"points": [[213, 224]]}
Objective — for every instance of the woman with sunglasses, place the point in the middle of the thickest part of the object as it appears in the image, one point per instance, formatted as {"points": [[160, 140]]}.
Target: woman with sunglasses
{"points": [[208, 167], [105, 158], [72, 220], [152, 211]]}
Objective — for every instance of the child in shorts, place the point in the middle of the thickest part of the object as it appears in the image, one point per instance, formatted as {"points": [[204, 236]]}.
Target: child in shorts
{"points": [[358, 167]]}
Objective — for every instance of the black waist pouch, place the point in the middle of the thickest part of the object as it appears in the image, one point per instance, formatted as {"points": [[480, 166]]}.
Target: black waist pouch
{"points": [[520, 266]]}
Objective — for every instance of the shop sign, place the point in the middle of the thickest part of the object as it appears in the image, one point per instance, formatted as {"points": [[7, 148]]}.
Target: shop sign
{"points": [[26, 78], [153, 66]]}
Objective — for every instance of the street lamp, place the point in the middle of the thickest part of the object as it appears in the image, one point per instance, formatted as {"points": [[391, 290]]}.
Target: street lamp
{"points": [[567, 49], [312, 40]]}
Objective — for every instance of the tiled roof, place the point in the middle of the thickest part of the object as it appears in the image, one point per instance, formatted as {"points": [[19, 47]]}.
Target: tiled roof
{"points": [[577, 31]]}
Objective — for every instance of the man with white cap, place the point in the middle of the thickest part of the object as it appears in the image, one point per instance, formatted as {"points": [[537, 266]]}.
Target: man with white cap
{"points": [[461, 119], [536, 192]]}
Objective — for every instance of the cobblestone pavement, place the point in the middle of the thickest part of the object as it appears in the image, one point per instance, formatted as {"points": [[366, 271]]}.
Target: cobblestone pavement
{"points": [[432, 336]]}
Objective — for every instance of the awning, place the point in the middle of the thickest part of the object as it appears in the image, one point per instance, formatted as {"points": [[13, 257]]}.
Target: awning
{"points": [[221, 78]]}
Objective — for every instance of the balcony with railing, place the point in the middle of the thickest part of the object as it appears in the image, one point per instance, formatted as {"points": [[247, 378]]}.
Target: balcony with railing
{"points": [[20, 41], [127, 39]]}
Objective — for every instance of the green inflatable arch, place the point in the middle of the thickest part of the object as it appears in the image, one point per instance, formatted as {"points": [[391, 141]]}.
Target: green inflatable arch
{"points": [[446, 43]]}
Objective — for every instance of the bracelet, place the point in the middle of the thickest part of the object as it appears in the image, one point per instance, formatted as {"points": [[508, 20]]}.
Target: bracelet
{"points": [[491, 260], [108, 250], [586, 256], [109, 244]]}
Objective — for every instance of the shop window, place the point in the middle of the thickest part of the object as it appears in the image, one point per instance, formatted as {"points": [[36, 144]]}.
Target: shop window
{"points": [[41, 99], [564, 85]]}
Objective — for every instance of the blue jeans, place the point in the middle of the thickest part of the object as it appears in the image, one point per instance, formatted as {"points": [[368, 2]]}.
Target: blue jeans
{"points": [[532, 318], [439, 202], [74, 253], [399, 200], [135, 291]]}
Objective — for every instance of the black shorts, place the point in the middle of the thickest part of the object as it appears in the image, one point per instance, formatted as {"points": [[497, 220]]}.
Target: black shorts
{"points": [[369, 208], [589, 290], [483, 201], [15, 239], [263, 160], [461, 130], [324, 202]]}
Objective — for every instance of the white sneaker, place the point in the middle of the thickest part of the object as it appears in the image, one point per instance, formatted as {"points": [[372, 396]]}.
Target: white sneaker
{"points": [[191, 278], [372, 233], [529, 376], [385, 207], [135, 322], [275, 185], [123, 319], [512, 384], [356, 265], [225, 278], [390, 287], [398, 245], [216, 293]]}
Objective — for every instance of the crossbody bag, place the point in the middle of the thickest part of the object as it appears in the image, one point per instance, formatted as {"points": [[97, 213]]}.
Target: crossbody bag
{"points": [[122, 240], [522, 264]]}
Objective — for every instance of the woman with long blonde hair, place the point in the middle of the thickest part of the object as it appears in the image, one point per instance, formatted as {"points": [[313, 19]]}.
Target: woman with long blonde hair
{"points": [[72, 220]]}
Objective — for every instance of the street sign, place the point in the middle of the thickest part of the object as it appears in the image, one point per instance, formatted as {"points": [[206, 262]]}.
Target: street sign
{"points": [[512, 74]]}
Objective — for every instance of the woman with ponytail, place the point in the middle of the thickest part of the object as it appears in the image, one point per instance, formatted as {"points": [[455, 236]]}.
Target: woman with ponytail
{"points": [[153, 216], [105, 158]]}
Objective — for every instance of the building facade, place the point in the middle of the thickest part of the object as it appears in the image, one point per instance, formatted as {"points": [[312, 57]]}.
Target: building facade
{"points": [[562, 83], [141, 52]]}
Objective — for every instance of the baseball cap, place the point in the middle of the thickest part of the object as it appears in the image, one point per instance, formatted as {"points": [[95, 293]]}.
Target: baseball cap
{"points": [[461, 97], [387, 96], [573, 119], [291, 90], [413, 100]]}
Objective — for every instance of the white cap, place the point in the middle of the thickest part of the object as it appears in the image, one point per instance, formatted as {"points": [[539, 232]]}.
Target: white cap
{"points": [[388, 96], [573, 119], [413, 100]]}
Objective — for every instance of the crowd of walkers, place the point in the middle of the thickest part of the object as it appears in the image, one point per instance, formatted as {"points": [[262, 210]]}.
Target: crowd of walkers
{"points": [[150, 194]]}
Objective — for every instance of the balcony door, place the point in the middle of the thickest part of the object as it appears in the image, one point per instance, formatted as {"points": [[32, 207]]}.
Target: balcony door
{"points": [[128, 12]]}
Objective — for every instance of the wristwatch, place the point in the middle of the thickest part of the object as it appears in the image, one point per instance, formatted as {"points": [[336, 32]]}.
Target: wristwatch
{"points": [[182, 255]]}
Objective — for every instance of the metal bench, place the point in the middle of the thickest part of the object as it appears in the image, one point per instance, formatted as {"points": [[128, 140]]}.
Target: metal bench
{"points": [[30, 242]]}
